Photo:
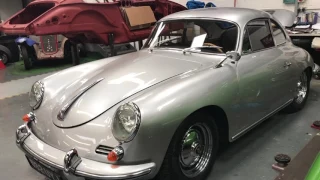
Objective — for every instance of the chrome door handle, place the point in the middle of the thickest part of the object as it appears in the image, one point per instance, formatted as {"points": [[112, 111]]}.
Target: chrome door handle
{"points": [[287, 64]]}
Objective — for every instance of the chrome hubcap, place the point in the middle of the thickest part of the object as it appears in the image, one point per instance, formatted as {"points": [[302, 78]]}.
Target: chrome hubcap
{"points": [[302, 88], [196, 149]]}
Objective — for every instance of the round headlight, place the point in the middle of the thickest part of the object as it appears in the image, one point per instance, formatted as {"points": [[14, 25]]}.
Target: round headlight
{"points": [[36, 94], [126, 122]]}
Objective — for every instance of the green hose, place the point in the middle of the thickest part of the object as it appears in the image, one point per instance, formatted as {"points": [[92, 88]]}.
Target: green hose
{"points": [[314, 171]]}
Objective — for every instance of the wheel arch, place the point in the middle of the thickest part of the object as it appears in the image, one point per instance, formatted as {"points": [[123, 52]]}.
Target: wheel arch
{"points": [[220, 118], [309, 72]]}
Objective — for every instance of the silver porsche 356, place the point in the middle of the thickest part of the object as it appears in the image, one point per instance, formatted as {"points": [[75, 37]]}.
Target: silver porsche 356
{"points": [[203, 77]]}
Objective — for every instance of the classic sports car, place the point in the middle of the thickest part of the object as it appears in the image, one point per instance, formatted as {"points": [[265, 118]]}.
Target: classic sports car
{"points": [[204, 77]]}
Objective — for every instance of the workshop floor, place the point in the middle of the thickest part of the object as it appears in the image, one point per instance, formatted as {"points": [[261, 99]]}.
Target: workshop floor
{"points": [[249, 158]]}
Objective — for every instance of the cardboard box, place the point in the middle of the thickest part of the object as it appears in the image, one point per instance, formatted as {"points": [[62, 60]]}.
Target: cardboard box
{"points": [[139, 17]]}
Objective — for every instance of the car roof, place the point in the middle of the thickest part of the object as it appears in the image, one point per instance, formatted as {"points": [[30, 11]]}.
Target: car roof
{"points": [[238, 15]]}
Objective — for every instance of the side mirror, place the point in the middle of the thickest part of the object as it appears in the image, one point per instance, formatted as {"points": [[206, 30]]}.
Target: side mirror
{"points": [[233, 55]]}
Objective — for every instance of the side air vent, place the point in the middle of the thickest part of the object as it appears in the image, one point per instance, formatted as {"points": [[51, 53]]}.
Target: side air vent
{"points": [[105, 150]]}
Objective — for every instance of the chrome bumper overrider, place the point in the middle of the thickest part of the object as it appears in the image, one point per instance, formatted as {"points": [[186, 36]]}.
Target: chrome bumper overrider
{"points": [[55, 158]]}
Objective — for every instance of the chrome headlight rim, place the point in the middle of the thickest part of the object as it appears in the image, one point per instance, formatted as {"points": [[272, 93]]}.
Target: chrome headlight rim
{"points": [[38, 102], [133, 134]]}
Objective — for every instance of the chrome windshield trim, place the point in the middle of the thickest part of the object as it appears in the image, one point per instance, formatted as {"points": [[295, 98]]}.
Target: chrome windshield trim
{"points": [[66, 107]]}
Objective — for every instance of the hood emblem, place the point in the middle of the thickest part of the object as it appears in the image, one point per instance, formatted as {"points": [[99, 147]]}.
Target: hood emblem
{"points": [[62, 113], [71, 160]]}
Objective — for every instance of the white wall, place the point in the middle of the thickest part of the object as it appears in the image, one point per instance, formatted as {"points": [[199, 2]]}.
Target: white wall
{"points": [[9, 7], [276, 4], [219, 3], [259, 4]]}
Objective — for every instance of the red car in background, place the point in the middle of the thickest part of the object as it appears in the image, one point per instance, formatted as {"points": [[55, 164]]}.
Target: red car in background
{"points": [[91, 21]]}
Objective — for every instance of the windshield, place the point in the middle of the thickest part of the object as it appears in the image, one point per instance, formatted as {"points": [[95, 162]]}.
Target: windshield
{"points": [[209, 36]]}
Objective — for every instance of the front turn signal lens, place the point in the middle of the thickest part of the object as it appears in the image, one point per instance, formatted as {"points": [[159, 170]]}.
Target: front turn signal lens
{"points": [[116, 154], [112, 156], [28, 117]]}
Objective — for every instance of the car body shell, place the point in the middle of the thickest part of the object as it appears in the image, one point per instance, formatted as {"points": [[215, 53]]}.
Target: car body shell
{"points": [[84, 22], [167, 86]]}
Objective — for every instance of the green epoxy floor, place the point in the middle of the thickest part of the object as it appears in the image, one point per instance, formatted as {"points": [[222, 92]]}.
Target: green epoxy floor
{"points": [[17, 71]]}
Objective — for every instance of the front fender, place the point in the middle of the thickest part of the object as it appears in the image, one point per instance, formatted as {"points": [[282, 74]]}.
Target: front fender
{"points": [[165, 106], [25, 40]]}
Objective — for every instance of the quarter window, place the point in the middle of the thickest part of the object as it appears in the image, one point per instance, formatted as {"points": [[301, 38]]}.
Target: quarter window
{"points": [[260, 35], [246, 47], [278, 33]]}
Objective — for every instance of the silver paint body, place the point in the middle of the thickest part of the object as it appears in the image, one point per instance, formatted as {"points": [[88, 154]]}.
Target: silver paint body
{"points": [[167, 86]]}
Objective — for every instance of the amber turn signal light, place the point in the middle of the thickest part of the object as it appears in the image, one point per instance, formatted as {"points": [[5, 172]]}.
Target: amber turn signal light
{"points": [[116, 154], [28, 117]]}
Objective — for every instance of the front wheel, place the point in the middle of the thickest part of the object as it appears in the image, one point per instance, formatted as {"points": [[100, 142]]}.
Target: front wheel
{"points": [[302, 93], [192, 151]]}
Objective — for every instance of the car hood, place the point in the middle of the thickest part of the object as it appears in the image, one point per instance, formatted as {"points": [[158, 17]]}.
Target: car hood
{"points": [[93, 88]]}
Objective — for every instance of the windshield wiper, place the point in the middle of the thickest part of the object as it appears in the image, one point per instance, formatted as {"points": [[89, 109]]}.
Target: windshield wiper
{"points": [[161, 42], [200, 47]]}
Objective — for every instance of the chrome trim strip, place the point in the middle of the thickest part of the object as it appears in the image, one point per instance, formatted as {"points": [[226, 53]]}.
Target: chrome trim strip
{"points": [[261, 120], [125, 176], [42, 95], [137, 126], [66, 107]]}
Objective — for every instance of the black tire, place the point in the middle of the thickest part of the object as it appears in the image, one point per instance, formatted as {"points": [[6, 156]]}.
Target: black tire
{"points": [[5, 54], [82, 50], [67, 51], [26, 57], [171, 168], [298, 104], [316, 76], [15, 52]]}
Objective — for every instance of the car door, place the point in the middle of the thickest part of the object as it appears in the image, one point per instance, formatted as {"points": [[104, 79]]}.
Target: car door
{"points": [[261, 87], [289, 54]]}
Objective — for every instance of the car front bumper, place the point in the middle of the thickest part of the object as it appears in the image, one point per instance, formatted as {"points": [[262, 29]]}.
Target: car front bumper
{"points": [[54, 158]]}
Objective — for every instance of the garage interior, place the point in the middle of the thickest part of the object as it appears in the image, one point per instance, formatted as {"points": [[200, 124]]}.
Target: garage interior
{"points": [[249, 158]]}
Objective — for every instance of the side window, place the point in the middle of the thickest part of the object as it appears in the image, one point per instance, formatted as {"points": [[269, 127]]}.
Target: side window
{"points": [[260, 35], [246, 47], [278, 33]]}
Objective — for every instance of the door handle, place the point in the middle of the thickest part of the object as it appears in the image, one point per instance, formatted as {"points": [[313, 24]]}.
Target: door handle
{"points": [[287, 64]]}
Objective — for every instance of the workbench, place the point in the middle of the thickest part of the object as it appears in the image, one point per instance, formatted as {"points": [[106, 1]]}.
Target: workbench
{"points": [[311, 35], [304, 40]]}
